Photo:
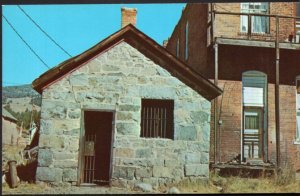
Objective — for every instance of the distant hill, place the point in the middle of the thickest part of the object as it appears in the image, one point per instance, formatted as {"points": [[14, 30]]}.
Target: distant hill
{"points": [[23, 91], [20, 102]]}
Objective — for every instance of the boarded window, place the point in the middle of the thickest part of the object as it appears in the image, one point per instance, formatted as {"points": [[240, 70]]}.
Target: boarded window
{"points": [[254, 88], [157, 118]]}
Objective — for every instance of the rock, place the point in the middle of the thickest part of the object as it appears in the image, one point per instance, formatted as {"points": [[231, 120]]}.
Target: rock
{"points": [[196, 170], [70, 175], [220, 189], [4, 179], [49, 174], [173, 190], [144, 187]]}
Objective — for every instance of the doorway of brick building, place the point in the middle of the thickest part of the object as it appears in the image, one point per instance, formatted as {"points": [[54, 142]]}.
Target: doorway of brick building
{"points": [[96, 148], [253, 136]]}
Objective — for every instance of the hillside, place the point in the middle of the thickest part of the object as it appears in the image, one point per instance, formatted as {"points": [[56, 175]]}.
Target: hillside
{"points": [[20, 101], [10, 94]]}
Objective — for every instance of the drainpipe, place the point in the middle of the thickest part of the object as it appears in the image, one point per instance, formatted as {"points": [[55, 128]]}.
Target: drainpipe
{"points": [[216, 102], [277, 106]]}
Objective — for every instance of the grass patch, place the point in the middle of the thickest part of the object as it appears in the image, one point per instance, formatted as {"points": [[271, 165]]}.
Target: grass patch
{"points": [[282, 183]]}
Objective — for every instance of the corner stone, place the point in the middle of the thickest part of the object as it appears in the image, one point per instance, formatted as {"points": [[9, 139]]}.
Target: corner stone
{"points": [[196, 170], [49, 174]]}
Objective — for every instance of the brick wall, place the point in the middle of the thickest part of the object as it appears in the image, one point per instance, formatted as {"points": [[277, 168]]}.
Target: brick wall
{"points": [[198, 54], [231, 67], [128, 16], [229, 26], [233, 61]]}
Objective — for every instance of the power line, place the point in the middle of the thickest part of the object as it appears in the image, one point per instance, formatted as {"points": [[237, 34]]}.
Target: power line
{"points": [[38, 26], [25, 42]]}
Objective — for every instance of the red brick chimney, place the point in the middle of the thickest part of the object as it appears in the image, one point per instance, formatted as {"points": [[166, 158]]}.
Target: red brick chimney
{"points": [[128, 16]]}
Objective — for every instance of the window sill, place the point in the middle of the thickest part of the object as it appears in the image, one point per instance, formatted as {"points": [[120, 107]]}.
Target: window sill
{"points": [[256, 34], [297, 141]]}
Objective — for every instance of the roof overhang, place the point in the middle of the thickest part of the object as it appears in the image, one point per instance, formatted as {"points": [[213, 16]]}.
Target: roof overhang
{"points": [[145, 45]]}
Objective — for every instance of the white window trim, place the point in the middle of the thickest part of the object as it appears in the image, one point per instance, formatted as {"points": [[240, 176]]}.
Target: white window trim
{"points": [[248, 10], [297, 136]]}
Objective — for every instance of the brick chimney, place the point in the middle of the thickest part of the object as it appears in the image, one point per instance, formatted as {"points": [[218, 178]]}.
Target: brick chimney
{"points": [[128, 16]]}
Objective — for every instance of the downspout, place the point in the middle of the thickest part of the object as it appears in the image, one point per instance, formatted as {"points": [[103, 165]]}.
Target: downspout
{"points": [[277, 109]]}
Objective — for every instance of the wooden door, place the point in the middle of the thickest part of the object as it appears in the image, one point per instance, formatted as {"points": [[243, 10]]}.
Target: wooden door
{"points": [[253, 134]]}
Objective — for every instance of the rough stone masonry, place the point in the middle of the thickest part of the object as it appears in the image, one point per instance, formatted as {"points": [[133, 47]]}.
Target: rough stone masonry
{"points": [[117, 80]]}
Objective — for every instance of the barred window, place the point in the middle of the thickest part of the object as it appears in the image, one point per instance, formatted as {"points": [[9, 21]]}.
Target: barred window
{"points": [[157, 118]]}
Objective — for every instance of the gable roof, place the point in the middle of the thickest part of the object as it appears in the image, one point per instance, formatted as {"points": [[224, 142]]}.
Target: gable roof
{"points": [[146, 46], [8, 115]]}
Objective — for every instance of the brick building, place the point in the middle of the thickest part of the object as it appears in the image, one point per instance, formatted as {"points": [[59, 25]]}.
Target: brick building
{"points": [[118, 114], [255, 60]]}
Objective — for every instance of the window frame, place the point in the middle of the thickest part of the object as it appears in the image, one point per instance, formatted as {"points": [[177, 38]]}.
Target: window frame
{"points": [[162, 118], [245, 8]]}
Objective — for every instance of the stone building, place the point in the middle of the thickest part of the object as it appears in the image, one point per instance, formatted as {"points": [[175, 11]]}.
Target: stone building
{"points": [[124, 111], [258, 71]]}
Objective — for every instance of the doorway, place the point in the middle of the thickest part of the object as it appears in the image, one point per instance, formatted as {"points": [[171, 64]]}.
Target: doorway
{"points": [[96, 148], [253, 133]]}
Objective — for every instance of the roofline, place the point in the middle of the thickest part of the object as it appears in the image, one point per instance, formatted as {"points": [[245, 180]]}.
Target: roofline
{"points": [[130, 34]]}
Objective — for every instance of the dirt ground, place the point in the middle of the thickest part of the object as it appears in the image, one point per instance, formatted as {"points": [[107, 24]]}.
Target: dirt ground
{"points": [[33, 189], [215, 185]]}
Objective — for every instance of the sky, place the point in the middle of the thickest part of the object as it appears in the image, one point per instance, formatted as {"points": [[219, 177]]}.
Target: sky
{"points": [[75, 28]]}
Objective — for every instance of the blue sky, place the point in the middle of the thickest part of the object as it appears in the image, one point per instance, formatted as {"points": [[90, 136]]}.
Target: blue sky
{"points": [[76, 28]]}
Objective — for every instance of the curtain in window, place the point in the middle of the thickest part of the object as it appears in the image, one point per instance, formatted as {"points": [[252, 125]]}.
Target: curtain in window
{"points": [[251, 122], [260, 24]]}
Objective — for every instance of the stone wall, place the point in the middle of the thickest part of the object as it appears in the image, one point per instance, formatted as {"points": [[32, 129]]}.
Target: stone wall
{"points": [[117, 80]]}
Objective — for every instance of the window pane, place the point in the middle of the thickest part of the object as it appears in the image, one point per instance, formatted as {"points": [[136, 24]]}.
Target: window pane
{"points": [[251, 122], [259, 24]]}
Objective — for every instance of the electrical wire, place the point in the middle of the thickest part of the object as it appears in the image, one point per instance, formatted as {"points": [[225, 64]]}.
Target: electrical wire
{"points": [[39, 27], [25, 42]]}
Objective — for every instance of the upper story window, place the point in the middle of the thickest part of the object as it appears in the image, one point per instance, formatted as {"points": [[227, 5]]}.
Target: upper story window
{"points": [[186, 40], [260, 24], [157, 118], [177, 48], [298, 107]]}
